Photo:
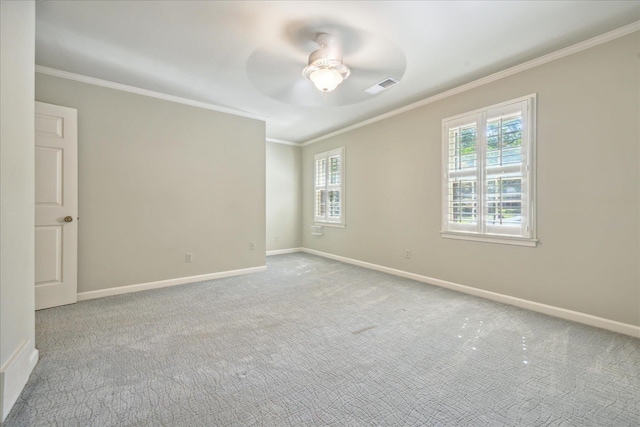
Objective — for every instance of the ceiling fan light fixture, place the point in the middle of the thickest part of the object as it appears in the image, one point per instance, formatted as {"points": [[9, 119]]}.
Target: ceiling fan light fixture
{"points": [[326, 74], [325, 68], [326, 79]]}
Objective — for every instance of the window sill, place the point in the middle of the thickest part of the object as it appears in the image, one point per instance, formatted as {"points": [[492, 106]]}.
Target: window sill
{"points": [[490, 238], [329, 224]]}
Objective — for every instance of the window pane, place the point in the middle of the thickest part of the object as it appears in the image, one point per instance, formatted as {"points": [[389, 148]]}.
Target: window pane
{"points": [[334, 170], [462, 147], [320, 203], [504, 140], [463, 201], [321, 169], [504, 201], [493, 150], [334, 204]]}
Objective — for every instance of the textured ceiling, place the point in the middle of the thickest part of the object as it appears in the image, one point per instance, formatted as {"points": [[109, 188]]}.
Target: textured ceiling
{"points": [[249, 56]]}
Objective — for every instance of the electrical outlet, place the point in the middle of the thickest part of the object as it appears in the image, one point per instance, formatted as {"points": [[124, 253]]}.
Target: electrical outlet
{"points": [[253, 246], [407, 254], [188, 257], [276, 238]]}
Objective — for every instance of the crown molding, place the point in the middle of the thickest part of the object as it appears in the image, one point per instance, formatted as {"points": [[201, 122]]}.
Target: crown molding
{"points": [[578, 47], [144, 92], [281, 141], [570, 50]]}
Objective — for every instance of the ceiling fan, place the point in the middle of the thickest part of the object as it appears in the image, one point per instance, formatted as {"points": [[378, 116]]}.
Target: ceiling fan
{"points": [[333, 58]]}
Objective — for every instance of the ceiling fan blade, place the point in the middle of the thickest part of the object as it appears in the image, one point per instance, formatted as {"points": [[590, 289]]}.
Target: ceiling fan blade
{"points": [[302, 35], [276, 69]]}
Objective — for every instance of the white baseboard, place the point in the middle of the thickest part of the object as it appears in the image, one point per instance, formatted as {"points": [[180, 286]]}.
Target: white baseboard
{"points": [[83, 296], [14, 375], [575, 316], [284, 251]]}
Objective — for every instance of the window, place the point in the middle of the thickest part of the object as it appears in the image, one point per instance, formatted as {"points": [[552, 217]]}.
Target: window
{"points": [[488, 186], [329, 187]]}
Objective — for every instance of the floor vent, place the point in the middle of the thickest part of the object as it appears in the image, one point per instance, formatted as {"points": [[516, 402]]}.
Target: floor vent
{"points": [[383, 85]]}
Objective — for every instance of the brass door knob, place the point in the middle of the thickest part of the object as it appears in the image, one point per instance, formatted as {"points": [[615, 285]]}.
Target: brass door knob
{"points": [[68, 219]]}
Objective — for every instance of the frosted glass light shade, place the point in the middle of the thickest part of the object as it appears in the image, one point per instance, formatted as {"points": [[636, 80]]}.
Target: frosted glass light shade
{"points": [[326, 79]]}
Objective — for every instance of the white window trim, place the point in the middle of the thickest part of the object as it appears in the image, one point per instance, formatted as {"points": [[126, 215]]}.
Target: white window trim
{"points": [[529, 164], [341, 223]]}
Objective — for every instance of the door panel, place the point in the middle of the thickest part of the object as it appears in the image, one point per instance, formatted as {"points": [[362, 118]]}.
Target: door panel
{"points": [[49, 255], [56, 239], [48, 176]]}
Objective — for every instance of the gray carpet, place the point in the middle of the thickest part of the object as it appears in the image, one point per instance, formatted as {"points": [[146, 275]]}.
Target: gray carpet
{"points": [[318, 342]]}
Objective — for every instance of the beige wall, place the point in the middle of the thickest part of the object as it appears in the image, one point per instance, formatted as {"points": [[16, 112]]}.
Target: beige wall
{"points": [[17, 320], [284, 196], [588, 189], [159, 179]]}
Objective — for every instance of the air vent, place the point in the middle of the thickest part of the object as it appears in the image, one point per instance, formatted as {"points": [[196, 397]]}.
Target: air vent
{"points": [[383, 85]]}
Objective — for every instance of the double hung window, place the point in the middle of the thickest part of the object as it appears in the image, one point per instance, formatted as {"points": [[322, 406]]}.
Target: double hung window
{"points": [[488, 185]]}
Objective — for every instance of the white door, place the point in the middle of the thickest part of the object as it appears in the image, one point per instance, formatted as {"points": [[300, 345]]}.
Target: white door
{"points": [[56, 153]]}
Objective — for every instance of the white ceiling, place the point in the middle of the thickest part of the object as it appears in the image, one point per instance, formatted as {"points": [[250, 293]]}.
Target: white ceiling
{"points": [[249, 56]]}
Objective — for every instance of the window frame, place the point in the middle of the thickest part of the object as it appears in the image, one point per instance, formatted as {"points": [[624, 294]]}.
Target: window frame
{"points": [[482, 231], [325, 220]]}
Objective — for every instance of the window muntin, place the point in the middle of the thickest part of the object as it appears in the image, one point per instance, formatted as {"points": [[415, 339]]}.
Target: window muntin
{"points": [[329, 187], [494, 147]]}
